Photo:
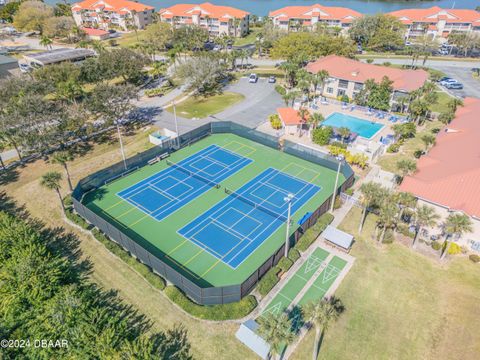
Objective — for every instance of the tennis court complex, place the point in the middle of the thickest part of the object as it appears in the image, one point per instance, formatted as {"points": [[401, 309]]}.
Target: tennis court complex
{"points": [[168, 190], [246, 218], [215, 210]]}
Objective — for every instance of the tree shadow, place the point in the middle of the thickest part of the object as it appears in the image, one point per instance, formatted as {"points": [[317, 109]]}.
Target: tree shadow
{"points": [[8, 176], [296, 317]]}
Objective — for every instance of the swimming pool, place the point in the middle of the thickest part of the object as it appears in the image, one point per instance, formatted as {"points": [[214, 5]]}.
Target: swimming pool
{"points": [[363, 128]]}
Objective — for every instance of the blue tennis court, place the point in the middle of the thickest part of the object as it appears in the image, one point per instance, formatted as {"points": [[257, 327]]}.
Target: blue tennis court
{"points": [[168, 190], [236, 226]]}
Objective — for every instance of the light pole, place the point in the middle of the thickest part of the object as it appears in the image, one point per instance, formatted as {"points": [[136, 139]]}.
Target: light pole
{"points": [[121, 144], [288, 199], [176, 124], [340, 159]]}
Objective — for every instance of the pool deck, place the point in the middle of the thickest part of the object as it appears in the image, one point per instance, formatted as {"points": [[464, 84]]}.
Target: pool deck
{"points": [[327, 110]]}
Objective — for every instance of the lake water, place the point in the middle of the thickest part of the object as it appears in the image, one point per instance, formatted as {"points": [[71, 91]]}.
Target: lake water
{"points": [[262, 7]]}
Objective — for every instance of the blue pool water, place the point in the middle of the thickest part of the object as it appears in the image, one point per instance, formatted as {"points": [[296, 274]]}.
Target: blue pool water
{"points": [[363, 128]]}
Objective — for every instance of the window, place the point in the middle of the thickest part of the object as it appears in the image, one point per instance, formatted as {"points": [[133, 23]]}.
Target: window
{"points": [[358, 86], [330, 90], [340, 92], [343, 84]]}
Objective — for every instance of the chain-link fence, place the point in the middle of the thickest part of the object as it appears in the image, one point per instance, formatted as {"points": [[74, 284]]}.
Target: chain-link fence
{"points": [[195, 288]]}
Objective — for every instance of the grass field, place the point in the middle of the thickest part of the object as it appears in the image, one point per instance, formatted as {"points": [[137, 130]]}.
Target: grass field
{"points": [[401, 305], [201, 107], [199, 265], [249, 39]]}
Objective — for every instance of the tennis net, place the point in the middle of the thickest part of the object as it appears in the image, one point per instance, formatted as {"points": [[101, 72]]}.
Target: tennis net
{"points": [[256, 205], [193, 174]]}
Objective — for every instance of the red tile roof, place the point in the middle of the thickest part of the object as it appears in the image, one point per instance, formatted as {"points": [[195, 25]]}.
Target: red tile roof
{"points": [[434, 14], [342, 14], [111, 5], [289, 116], [94, 32], [352, 70], [450, 174], [205, 9]]}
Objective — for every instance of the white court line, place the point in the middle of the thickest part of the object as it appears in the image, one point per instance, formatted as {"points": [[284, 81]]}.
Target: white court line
{"points": [[243, 217], [164, 172]]}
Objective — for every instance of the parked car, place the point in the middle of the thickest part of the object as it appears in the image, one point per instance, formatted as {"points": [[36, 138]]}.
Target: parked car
{"points": [[454, 86], [448, 81], [272, 79], [217, 48], [253, 78]]}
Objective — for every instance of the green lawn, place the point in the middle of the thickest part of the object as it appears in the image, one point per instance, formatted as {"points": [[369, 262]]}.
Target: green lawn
{"points": [[401, 305], [249, 39], [441, 104], [131, 39], [201, 107]]}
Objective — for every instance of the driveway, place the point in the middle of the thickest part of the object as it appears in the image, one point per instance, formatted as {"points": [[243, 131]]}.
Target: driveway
{"points": [[261, 100], [460, 70]]}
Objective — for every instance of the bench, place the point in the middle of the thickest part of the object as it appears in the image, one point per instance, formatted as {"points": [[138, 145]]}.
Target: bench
{"points": [[158, 158]]}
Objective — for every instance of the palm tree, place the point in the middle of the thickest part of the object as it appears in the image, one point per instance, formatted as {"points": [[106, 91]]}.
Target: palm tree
{"points": [[370, 196], [428, 140], [276, 330], [51, 180], [455, 224], [344, 132], [406, 167], [387, 217], [62, 158], [321, 313], [304, 114], [315, 119], [404, 200], [425, 216], [319, 79], [47, 42]]}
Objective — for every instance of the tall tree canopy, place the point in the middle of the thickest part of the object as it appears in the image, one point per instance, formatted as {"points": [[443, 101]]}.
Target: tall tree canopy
{"points": [[306, 46], [379, 32], [31, 16], [45, 294]]}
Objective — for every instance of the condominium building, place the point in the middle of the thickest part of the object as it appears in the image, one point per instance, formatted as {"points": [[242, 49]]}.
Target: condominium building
{"points": [[448, 177], [438, 22], [294, 18], [112, 14], [347, 77], [219, 20]]}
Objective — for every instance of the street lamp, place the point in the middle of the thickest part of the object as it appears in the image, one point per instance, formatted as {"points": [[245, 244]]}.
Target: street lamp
{"points": [[288, 199], [121, 144], [340, 160], [176, 124]]}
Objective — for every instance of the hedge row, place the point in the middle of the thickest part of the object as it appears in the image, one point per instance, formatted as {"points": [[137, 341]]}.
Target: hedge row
{"points": [[311, 234], [214, 312], [235, 310]]}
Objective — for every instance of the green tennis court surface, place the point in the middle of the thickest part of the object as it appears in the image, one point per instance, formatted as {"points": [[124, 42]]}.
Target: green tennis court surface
{"points": [[138, 216]]}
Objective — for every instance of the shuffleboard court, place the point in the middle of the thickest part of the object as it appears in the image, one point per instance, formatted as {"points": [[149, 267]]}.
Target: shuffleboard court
{"points": [[324, 281], [168, 190], [236, 226], [293, 287]]}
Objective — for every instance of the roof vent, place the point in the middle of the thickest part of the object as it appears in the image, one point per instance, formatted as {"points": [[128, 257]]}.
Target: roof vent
{"points": [[355, 73]]}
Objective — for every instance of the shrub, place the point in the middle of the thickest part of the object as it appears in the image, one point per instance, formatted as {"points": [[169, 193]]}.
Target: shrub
{"points": [[338, 203], [435, 130], [312, 233], [322, 135], [393, 148], [293, 254], [268, 281], [389, 237], [454, 249], [475, 258], [284, 264], [234, 310], [155, 92], [436, 245], [70, 215], [387, 63], [338, 144], [275, 121], [349, 191], [417, 154], [369, 61], [345, 98], [354, 159], [280, 89]]}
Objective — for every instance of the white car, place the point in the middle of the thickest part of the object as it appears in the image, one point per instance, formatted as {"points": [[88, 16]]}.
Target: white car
{"points": [[253, 78], [448, 81]]}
